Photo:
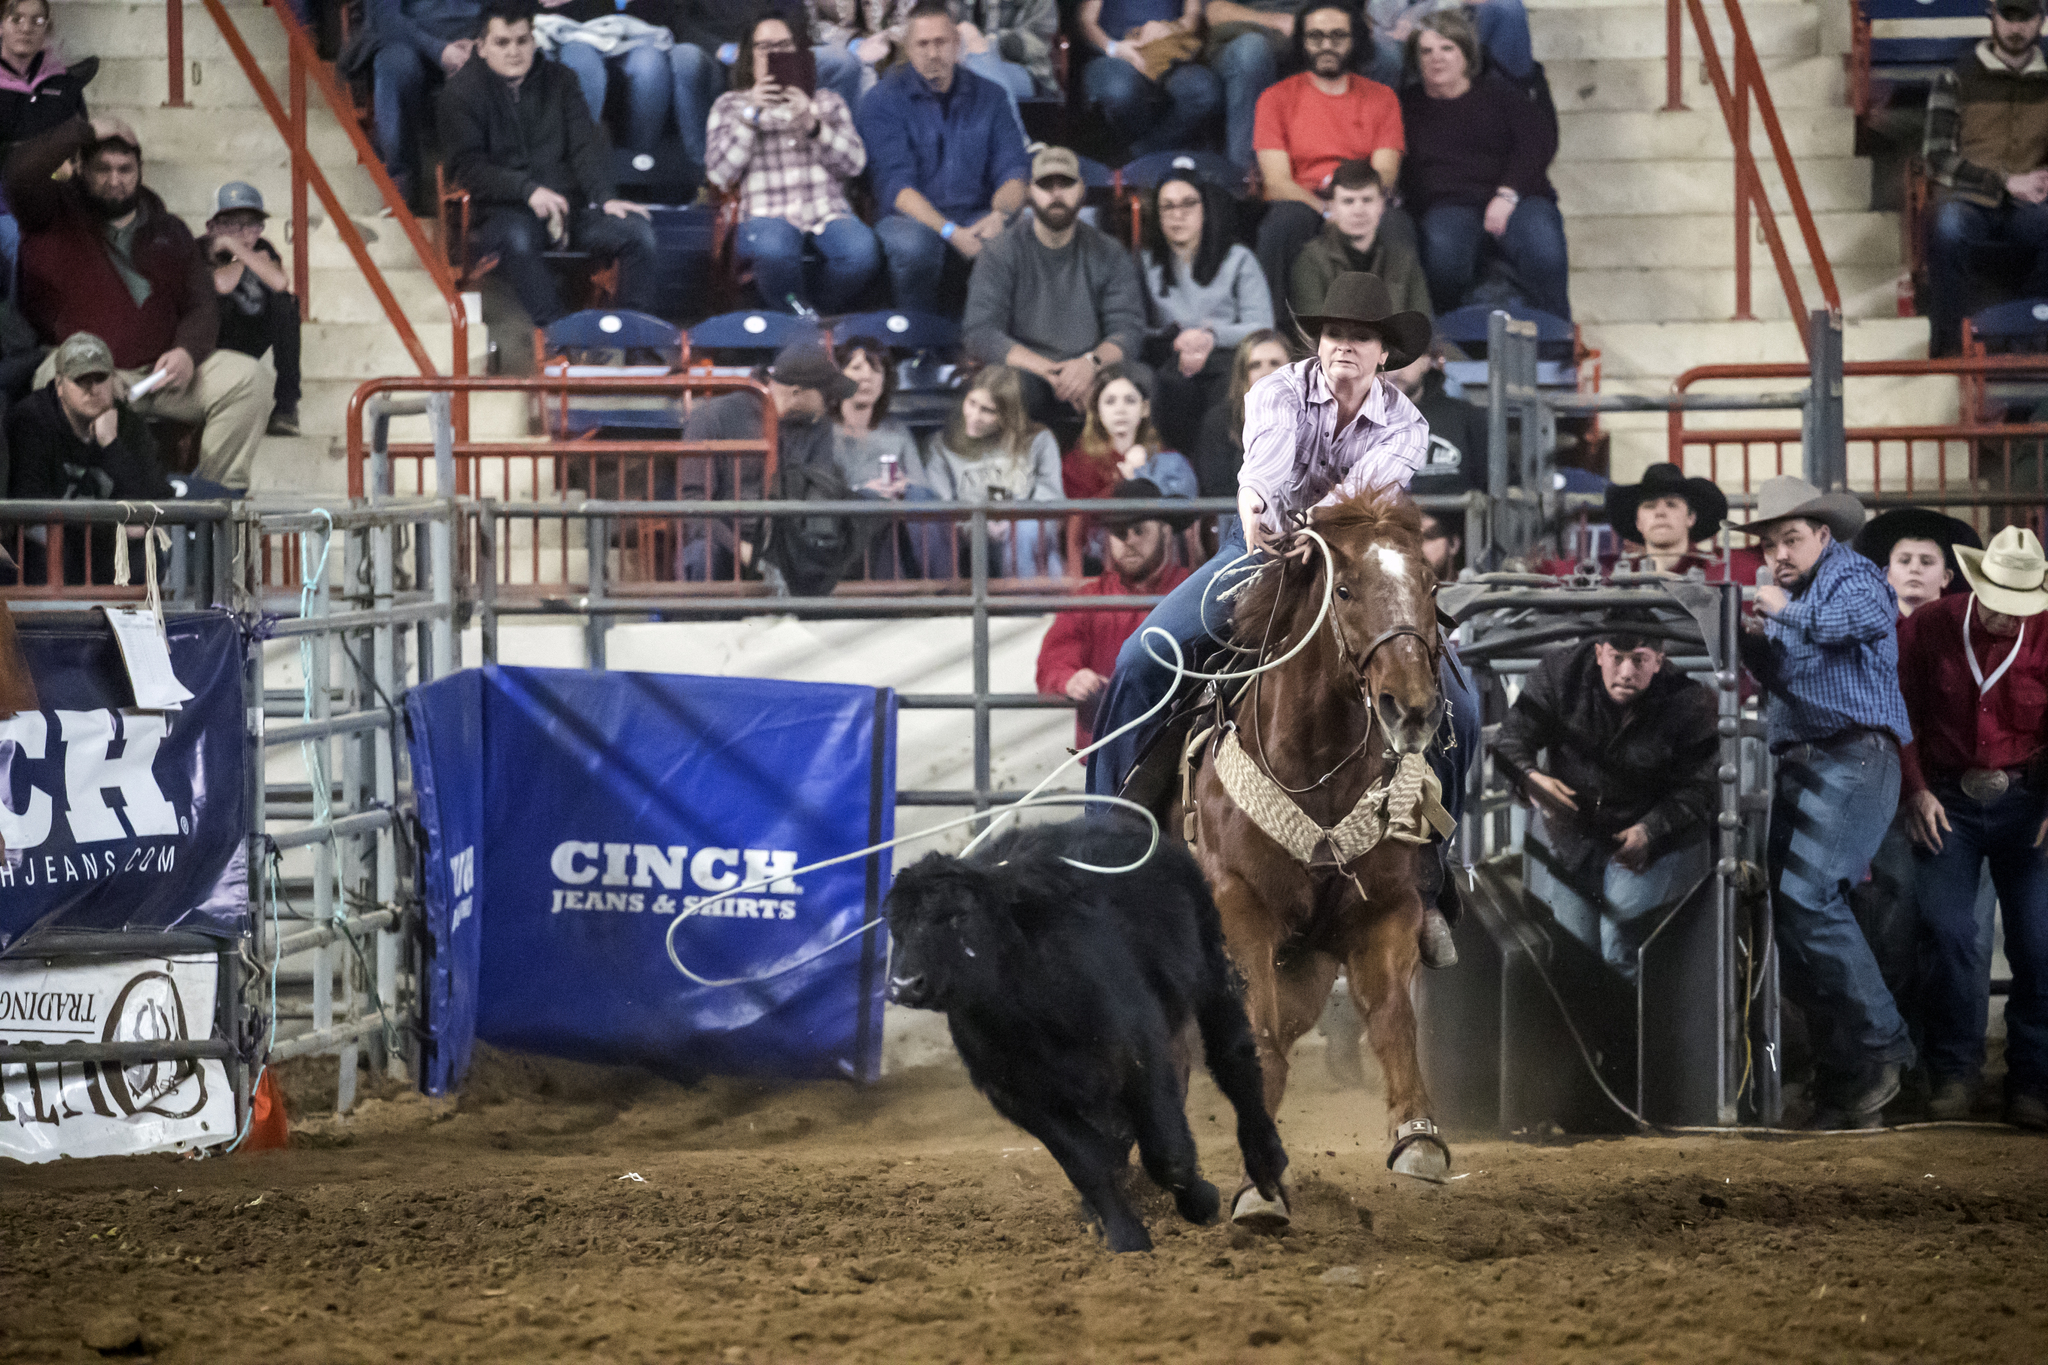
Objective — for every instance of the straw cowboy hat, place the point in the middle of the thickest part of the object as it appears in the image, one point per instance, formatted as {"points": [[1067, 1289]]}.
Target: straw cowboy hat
{"points": [[1876, 540], [1709, 504], [1360, 296], [1785, 497], [2010, 577]]}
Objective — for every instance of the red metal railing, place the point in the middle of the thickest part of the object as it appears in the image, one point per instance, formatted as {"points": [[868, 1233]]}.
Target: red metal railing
{"points": [[1749, 87], [2006, 461], [290, 120]]}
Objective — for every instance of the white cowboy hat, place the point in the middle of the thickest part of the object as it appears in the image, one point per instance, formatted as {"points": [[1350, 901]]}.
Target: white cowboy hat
{"points": [[2011, 577], [1785, 497]]}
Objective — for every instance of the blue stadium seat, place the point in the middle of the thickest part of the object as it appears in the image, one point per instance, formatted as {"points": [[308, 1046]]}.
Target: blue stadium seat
{"points": [[900, 329], [756, 334], [1094, 174], [584, 344], [1147, 171], [2019, 327], [1557, 343], [2019, 320], [1911, 40]]}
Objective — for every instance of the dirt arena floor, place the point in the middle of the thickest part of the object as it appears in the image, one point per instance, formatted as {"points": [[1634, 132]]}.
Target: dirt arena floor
{"points": [[560, 1213]]}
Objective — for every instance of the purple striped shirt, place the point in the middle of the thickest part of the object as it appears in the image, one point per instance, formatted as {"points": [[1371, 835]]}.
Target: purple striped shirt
{"points": [[1295, 458]]}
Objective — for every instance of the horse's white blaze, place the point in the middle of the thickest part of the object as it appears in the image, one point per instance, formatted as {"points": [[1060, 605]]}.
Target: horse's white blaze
{"points": [[1393, 563]]}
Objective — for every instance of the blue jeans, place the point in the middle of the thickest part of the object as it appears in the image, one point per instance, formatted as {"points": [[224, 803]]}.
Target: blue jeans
{"points": [[1617, 929], [650, 81], [1955, 962], [402, 83], [1503, 27], [1152, 116], [1953, 240], [1247, 64], [1196, 617], [1453, 236], [1829, 812], [842, 258], [518, 238], [921, 265]]}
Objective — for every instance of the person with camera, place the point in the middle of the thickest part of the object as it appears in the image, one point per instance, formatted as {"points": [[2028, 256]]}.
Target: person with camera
{"points": [[258, 311]]}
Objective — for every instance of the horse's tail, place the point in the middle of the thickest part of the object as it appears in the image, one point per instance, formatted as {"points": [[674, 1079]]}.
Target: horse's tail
{"points": [[1228, 1049]]}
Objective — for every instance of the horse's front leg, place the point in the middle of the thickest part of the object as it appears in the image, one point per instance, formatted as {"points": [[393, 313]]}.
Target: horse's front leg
{"points": [[1251, 936], [1381, 970]]}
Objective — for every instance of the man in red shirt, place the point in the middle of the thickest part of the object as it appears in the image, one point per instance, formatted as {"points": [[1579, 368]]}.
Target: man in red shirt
{"points": [[1974, 792], [1079, 652], [1311, 123]]}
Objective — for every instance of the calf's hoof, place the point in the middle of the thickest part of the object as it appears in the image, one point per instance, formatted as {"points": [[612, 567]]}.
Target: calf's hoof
{"points": [[1199, 1202], [1132, 1238], [1439, 949], [1419, 1152], [1253, 1211]]}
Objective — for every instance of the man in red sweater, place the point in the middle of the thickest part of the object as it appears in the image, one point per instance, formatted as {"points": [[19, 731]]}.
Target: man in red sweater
{"points": [[1079, 652], [101, 254]]}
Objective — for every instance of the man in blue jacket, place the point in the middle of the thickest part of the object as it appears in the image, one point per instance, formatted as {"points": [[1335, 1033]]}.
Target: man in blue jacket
{"points": [[947, 158], [420, 43]]}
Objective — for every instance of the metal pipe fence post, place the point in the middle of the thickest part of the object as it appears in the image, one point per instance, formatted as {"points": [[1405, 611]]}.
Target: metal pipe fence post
{"points": [[387, 674], [1496, 406], [598, 533], [442, 656], [319, 756], [487, 578], [977, 561], [1823, 442], [1727, 680]]}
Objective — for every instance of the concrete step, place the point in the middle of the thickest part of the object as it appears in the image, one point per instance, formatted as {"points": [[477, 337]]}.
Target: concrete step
{"points": [[1590, 189], [1650, 353], [363, 350], [340, 294], [187, 183], [214, 84], [1638, 84], [1671, 241], [1699, 134], [1637, 31], [227, 133], [301, 465], [112, 30], [1708, 295]]}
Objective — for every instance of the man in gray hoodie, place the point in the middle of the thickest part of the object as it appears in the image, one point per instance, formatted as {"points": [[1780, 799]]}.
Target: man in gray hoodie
{"points": [[1055, 298]]}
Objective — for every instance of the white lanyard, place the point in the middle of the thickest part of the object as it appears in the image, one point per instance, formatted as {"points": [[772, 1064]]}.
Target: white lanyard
{"points": [[1985, 684]]}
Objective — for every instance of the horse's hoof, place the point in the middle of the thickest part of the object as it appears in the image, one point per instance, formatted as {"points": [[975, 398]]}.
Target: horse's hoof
{"points": [[1256, 1213], [1439, 949], [1419, 1152]]}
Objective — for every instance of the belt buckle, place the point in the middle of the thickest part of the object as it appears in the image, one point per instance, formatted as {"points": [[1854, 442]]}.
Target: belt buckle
{"points": [[1985, 784]]}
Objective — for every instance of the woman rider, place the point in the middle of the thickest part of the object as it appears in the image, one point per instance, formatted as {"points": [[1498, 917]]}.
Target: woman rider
{"points": [[1316, 432]]}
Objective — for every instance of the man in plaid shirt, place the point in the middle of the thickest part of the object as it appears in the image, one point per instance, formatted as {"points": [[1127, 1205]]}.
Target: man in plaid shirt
{"points": [[790, 154], [1825, 646]]}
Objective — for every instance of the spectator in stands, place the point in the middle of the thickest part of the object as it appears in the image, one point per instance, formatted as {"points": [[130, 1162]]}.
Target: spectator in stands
{"points": [[1118, 442], [1207, 295], [1443, 543], [946, 160], [1352, 240], [708, 36], [638, 47], [1313, 122], [258, 312], [1079, 652], [1626, 795], [418, 45], [991, 451], [1986, 148], [1249, 41], [876, 452], [803, 387], [38, 91], [790, 155], [520, 139], [1143, 75], [1219, 449], [1659, 522], [1456, 463], [1055, 298], [1478, 149], [71, 439], [1976, 794], [1011, 43], [101, 254], [1502, 26], [1823, 643], [1916, 547]]}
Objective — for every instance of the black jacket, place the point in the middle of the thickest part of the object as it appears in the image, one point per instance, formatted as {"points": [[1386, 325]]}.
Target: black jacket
{"points": [[43, 99], [501, 148], [49, 462], [1651, 762]]}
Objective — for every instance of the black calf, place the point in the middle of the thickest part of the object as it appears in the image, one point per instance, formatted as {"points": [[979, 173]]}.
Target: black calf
{"points": [[1065, 991]]}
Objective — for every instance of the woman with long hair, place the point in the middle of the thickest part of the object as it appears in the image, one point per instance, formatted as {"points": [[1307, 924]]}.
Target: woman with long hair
{"points": [[1219, 449], [991, 451], [1206, 293], [1118, 442], [875, 452]]}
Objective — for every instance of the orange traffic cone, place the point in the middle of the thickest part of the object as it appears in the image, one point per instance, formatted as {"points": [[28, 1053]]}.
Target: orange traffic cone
{"points": [[267, 1126]]}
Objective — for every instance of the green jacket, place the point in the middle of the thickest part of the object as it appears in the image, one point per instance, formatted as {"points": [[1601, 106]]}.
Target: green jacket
{"points": [[1331, 254]]}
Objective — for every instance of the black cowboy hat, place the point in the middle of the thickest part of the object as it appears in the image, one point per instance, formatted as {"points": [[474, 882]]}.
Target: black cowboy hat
{"points": [[1881, 533], [1709, 504], [1359, 296], [1139, 488]]}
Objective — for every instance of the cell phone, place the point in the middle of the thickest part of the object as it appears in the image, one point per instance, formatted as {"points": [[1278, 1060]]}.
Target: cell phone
{"points": [[798, 70]]}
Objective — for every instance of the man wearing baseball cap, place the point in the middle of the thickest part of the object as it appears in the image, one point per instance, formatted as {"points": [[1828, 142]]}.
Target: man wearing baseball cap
{"points": [[1055, 298], [258, 313], [1986, 148], [1974, 671]]}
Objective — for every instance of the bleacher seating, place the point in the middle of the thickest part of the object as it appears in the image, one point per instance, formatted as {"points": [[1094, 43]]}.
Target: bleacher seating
{"points": [[1558, 346], [609, 342]]}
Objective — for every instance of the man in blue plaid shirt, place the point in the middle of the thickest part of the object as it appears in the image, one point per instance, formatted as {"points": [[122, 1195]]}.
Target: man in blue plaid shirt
{"points": [[1824, 644]]}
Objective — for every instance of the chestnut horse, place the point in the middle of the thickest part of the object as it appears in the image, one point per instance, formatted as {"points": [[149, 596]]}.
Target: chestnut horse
{"points": [[1327, 726]]}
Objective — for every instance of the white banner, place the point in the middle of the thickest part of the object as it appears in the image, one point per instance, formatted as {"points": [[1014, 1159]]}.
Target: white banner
{"points": [[88, 1109]]}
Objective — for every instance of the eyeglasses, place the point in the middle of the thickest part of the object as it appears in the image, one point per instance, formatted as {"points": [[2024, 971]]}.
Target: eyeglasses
{"points": [[20, 20], [1179, 205], [1319, 37]]}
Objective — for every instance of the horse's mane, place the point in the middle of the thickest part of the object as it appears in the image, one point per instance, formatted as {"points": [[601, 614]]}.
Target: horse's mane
{"points": [[1376, 514]]}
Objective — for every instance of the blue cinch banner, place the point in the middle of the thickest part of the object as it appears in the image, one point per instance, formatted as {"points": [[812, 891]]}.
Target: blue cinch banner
{"points": [[116, 819], [571, 816]]}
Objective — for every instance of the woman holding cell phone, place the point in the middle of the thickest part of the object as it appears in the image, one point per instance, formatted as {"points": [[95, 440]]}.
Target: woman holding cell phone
{"points": [[787, 149]]}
